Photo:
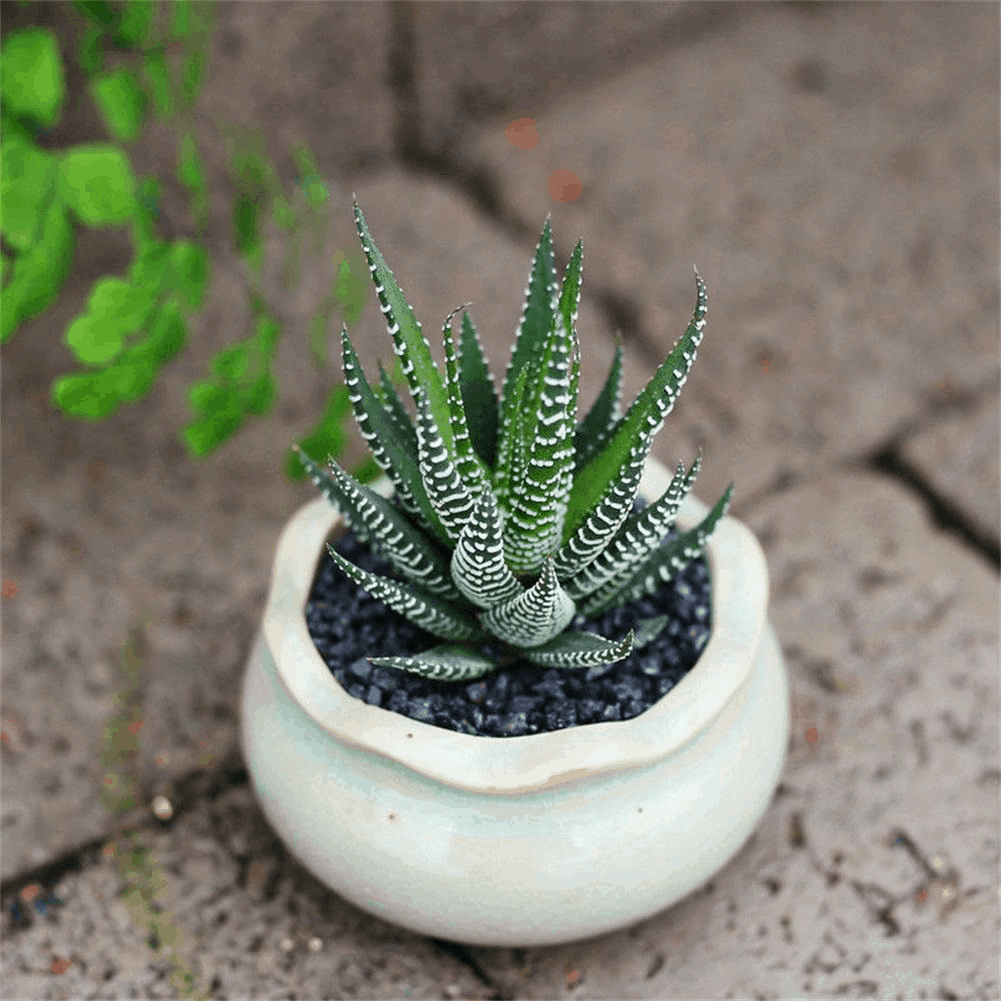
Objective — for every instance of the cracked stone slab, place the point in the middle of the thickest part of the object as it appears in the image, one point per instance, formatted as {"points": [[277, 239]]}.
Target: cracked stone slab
{"points": [[234, 909], [832, 170], [874, 871], [103, 521], [958, 456]]}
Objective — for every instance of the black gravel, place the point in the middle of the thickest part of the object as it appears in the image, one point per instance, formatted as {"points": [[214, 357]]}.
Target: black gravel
{"points": [[348, 625]]}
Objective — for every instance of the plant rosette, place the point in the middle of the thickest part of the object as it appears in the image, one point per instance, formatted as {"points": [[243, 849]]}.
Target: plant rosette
{"points": [[541, 837]]}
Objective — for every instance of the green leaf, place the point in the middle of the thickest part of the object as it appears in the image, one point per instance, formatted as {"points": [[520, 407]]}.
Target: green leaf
{"points": [[192, 74], [533, 332], [420, 370], [93, 341], [98, 11], [151, 265], [647, 413], [147, 211], [97, 184], [570, 292], [210, 399], [203, 437], [535, 616], [262, 396], [26, 189], [667, 560], [446, 662], [580, 649], [90, 55], [31, 75], [327, 436], [189, 263], [121, 102], [479, 397], [169, 333], [135, 25], [246, 237], [91, 395], [442, 618], [39, 273], [156, 69], [231, 363], [392, 447], [184, 22]]}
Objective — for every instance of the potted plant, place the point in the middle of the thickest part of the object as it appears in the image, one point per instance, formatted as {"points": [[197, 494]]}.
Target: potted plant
{"points": [[501, 712]]}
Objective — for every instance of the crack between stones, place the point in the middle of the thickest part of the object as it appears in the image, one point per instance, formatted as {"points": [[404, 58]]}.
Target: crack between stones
{"points": [[465, 956], [888, 461], [184, 792]]}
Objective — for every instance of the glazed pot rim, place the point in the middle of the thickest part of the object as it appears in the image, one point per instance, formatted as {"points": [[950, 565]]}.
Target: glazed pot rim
{"points": [[498, 765]]}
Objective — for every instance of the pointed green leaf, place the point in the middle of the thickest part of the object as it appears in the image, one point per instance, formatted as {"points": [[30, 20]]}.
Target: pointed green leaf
{"points": [[467, 462], [447, 662], [580, 649], [418, 365], [535, 326], [478, 566], [479, 397], [535, 617], [570, 292], [668, 560], [647, 413], [441, 618], [640, 534], [451, 499], [647, 630], [378, 523], [604, 521], [537, 504], [510, 457], [394, 451]]}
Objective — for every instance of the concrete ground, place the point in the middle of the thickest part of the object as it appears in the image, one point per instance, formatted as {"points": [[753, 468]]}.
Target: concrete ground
{"points": [[832, 169]]}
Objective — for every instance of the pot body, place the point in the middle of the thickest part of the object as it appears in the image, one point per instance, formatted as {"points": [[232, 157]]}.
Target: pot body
{"points": [[510, 842]]}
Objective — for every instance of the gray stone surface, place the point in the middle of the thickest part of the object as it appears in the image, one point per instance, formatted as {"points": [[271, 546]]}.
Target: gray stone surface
{"points": [[832, 169], [239, 914]]}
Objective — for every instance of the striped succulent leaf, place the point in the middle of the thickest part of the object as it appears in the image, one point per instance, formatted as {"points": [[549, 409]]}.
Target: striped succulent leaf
{"points": [[509, 517]]}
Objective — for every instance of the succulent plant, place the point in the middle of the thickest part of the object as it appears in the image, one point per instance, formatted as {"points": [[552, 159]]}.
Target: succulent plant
{"points": [[510, 521]]}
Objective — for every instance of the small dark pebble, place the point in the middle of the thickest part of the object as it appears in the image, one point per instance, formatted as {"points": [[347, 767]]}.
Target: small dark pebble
{"points": [[349, 626]]}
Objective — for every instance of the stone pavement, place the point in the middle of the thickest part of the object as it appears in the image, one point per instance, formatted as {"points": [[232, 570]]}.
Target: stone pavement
{"points": [[833, 172]]}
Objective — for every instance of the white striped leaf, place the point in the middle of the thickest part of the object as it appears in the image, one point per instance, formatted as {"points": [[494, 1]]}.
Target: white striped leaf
{"points": [[447, 662], [418, 366], [450, 622], [535, 617], [638, 536], [389, 533], [648, 413], [478, 567], [391, 447], [467, 462], [604, 521], [667, 561], [580, 649]]}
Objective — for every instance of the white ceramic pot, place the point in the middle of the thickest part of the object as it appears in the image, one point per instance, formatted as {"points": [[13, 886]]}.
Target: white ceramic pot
{"points": [[518, 841]]}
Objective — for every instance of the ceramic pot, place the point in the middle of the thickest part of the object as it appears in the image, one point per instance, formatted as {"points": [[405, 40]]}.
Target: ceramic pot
{"points": [[517, 841]]}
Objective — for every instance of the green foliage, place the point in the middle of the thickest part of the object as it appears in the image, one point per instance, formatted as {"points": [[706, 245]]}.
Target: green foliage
{"points": [[479, 531], [32, 81], [136, 323]]}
